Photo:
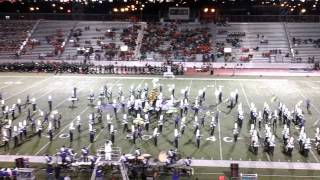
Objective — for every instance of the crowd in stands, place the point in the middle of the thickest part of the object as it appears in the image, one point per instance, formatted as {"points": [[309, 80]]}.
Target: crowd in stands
{"points": [[109, 50], [88, 68], [171, 42], [314, 42], [12, 35]]}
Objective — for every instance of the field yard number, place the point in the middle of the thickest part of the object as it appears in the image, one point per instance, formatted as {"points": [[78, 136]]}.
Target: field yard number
{"points": [[12, 82], [229, 139], [212, 138]]}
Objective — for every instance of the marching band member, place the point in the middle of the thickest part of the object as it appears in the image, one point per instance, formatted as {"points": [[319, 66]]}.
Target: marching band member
{"points": [[183, 125], [289, 147], [50, 131], [50, 103], [306, 147], [212, 125], [71, 129], [5, 139], [160, 123], [125, 123], [134, 134], [232, 99], [181, 108], [108, 150], [236, 95], [146, 121], [19, 105], [123, 103], [85, 154], [176, 137], [91, 97], [109, 121], [91, 133], [34, 105], [198, 136], [114, 105], [39, 128], [74, 95], [112, 132], [13, 109], [235, 132], [78, 123], [15, 135], [195, 124], [196, 107], [24, 128], [272, 144], [285, 134], [317, 137], [259, 119], [20, 129], [155, 136]]}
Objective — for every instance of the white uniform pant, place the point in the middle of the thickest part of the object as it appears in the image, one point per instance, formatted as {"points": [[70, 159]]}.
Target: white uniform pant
{"points": [[108, 156]]}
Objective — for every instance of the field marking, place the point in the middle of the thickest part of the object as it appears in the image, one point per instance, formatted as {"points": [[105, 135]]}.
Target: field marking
{"points": [[48, 92], [60, 131], [219, 129], [303, 96], [150, 78], [96, 138], [247, 100], [10, 84], [33, 85], [133, 145], [220, 145], [54, 137]]}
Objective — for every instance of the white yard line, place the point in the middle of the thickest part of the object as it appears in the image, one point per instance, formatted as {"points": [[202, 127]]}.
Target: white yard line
{"points": [[44, 146], [247, 100], [65, 127], [303, 96], [10, 84], [132, 146], [220, 145], [33, 85], [219, 128], [150, 78]]}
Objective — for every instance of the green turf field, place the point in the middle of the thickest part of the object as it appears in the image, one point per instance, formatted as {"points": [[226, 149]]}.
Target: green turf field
{"points": [[257, 90]]}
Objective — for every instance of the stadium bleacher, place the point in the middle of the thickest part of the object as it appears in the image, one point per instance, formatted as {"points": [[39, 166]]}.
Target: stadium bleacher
{"points": [[266, 42], [13, 34], [305, 41], [51, 35], [105, 40], [176, 41]]}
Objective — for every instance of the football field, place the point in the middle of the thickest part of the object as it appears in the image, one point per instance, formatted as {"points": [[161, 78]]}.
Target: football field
{"points": [[218, 147]]}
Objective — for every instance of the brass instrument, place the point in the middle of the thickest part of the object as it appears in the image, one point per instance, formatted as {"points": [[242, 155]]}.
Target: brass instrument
{"points": [[152, 96]]}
